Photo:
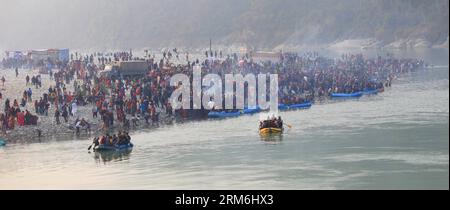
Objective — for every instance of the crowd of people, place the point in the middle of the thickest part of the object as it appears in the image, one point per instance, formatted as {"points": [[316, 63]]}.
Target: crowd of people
{"points": [[12, 114], [127, 100]]}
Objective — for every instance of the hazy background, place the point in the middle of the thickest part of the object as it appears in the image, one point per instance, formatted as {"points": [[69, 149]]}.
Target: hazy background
{"points": [[263, 24]]}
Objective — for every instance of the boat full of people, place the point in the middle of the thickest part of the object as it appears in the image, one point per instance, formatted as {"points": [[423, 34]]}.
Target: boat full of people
{"points": [[271, 125], [119, 142]]}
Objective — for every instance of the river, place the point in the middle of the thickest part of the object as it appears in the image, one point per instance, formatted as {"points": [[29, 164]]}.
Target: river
{"points": [[397, 139]]}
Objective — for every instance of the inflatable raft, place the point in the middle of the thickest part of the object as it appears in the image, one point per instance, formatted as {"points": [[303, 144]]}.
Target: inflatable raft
{"points": [[283, 107], [223, 114], [346, 95], [270, 130], [2, 142], [122, 147], [251, 110], [300, 106], [257, 109], [369, 91]]}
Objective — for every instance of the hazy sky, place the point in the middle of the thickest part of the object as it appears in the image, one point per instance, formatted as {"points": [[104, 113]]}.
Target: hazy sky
{"points": [[106, 24]]}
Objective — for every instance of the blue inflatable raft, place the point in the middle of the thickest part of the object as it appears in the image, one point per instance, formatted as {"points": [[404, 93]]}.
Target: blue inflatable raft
{"points": [[300, 106], [283, 107], [251, 110], [2, 142], [121, 147], [223, 114], [369, 91], [346, 95]]}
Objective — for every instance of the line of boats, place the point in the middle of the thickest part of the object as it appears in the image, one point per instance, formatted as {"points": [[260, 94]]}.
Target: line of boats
{"points": [[256, 109], [284, 107]]}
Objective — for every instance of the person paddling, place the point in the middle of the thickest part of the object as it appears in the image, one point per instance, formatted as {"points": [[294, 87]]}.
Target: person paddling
{"points": [[95, 142]]}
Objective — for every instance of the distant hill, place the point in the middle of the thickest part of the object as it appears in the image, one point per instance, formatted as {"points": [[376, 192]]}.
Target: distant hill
{"points": [[262, 24]]}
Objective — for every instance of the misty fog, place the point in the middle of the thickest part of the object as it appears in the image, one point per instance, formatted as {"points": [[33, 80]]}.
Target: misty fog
{"points": [[117, 24]]}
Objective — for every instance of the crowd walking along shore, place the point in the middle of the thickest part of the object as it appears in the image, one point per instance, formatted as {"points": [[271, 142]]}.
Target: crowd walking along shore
{"points": [[101, 94]]}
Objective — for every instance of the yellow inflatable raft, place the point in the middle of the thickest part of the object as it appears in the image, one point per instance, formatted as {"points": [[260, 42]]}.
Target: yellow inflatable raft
{"points": [[270, 130]]}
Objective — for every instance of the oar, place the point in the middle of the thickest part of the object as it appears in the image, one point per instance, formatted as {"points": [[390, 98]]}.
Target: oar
{"points": [[90, 146], [93, 142], [288, 125]]}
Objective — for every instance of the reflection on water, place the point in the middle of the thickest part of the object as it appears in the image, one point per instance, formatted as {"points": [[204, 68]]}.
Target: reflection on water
{"points": [[107, 156], [272, 138]]}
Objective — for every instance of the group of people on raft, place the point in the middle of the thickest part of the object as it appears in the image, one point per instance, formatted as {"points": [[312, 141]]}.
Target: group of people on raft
{"points": [[122, 138], [271, 122]]}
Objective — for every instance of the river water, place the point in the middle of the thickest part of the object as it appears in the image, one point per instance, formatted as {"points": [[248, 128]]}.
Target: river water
{"points": [[394, 140]]}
